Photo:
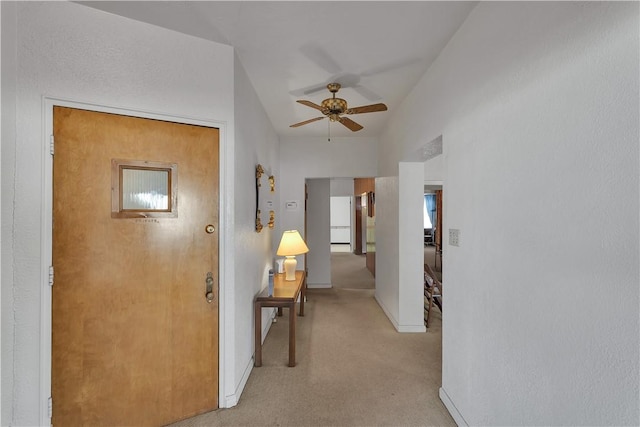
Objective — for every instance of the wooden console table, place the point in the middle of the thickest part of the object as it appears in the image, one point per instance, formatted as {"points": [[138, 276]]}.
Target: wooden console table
{"points": [[285, 294]]}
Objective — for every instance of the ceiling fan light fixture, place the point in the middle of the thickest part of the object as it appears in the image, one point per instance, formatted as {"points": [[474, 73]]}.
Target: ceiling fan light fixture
{"points": [[334, 108], [335, 105], [334, 87]]}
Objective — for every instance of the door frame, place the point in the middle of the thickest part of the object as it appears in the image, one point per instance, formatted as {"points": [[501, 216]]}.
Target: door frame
{"points": [[47, 236]]}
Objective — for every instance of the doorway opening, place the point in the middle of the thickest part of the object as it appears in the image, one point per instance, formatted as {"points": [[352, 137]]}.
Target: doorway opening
{"points": [[432, 231], [432, 211], [340, 221], [337, 230]]}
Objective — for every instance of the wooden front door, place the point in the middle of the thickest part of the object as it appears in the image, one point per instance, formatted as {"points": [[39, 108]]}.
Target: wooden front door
{"points": [[134, 338]]}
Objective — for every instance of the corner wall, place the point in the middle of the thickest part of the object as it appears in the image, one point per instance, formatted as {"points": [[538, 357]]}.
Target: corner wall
{"points": [[411, 247], [400, 249], [255, 143], [537, 103], [387, 244], [318, 233]]}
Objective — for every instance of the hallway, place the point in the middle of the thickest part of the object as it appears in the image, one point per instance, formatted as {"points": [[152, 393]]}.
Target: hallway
{"points": [[352, 369]]}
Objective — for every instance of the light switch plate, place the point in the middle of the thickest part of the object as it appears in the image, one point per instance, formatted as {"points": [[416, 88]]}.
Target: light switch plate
{"points": [[454, 237], [291, 205]]}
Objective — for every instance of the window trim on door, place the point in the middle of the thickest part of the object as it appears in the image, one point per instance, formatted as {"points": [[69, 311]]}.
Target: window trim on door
{"points": [[118, 210]]}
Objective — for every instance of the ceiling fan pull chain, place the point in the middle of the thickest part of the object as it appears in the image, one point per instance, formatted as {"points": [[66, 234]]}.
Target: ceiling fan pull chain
{"points": [[329, 130]]}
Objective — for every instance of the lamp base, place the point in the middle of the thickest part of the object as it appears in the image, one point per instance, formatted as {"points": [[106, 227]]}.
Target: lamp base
{"points": [[290, 268]]}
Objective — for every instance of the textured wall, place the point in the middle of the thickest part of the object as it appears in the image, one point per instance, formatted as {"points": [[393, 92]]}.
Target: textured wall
{"points": [[318, 233], [342, 187], [410, 247], [433, 169], [255, 143], [387, 240], [399, 248], [73, 52], [7, 163], [537, 105]]}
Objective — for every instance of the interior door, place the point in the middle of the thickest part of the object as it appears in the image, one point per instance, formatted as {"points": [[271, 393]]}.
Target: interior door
{"points": [[134, 336]]}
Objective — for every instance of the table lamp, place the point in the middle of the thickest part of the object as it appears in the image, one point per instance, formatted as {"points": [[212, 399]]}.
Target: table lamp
{"points": [[291, 245]]}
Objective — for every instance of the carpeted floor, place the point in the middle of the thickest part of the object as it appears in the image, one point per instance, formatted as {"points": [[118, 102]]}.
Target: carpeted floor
{"points": [[353, 368], [349, 271]]}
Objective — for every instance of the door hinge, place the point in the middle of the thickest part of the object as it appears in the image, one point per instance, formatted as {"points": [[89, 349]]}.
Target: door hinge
{"points": [[51, 275], [51, 145], [50, 407]]}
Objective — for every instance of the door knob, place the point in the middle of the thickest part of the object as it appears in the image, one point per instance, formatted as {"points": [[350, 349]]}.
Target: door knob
{"points": [[209, 287]]}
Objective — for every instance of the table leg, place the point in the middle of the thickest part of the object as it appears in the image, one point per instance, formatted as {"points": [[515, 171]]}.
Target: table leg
{"points": [[292, 334], [258, 335], [303, 295]]}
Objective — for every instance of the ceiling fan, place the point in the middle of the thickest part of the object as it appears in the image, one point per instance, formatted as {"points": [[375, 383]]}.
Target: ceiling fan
{"points": [[334, 108]]}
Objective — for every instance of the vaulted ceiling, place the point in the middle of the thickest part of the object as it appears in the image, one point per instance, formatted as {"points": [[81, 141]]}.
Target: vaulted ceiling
{"points": [[291, 49]]}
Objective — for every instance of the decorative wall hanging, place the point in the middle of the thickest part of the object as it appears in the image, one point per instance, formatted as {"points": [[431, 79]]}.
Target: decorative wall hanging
{"points": [[264, 201]]}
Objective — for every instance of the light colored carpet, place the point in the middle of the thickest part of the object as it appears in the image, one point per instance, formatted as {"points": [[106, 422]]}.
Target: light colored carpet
{"points": [[353, 369], [349, 271]]}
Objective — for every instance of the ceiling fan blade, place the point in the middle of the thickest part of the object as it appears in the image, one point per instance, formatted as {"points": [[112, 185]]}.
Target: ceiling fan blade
{"points": [[310, 90], [350, 124], [311, 104], [345, 80], [369, 94], [367, 109], [306, 122]]}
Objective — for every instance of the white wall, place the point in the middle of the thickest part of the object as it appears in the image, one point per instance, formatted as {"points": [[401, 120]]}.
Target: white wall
{"points": [[65, 50], [302, 158], [537, 104], [342, 186], [7, 166], [410, 247], [256, 143], [400, 247], [387, 243], [318, 236], [433, 169]]}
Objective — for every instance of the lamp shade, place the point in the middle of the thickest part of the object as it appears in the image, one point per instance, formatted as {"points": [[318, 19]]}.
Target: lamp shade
{"points": [[292, 244]]}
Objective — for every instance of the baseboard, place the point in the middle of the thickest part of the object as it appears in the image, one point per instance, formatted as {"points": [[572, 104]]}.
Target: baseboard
{"points": [[267, 324], [392, 319], [319, 285], [233, 399], [412, 329], [398, 326], [448, 403]]}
